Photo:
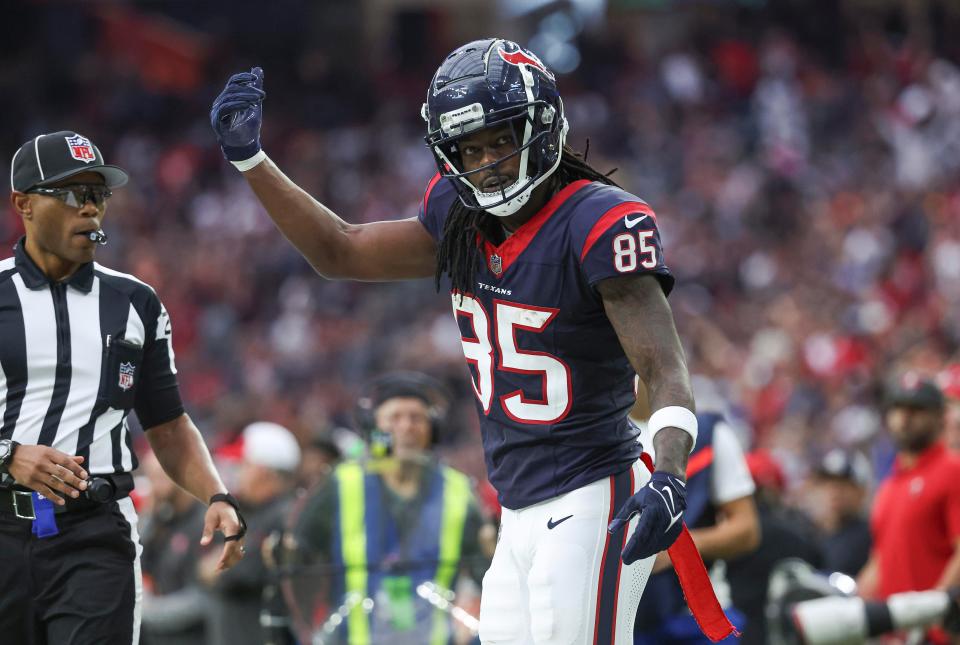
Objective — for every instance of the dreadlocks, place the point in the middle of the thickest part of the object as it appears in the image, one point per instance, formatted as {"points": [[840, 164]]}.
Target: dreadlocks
{"points": [[457, 251]]}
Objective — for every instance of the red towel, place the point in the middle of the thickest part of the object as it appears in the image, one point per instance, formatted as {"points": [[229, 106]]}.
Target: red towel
{"points": [[696, 585]]}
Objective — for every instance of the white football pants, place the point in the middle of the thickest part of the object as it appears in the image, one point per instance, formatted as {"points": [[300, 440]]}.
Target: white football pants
{"points": [[557, 577]]}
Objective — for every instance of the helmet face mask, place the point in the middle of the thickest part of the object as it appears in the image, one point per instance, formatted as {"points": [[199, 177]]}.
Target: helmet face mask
{"points": [[489, 84]]}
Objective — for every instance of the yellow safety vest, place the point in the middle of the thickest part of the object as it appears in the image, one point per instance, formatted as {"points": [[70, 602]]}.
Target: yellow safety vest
{"points": [[353, 540]]}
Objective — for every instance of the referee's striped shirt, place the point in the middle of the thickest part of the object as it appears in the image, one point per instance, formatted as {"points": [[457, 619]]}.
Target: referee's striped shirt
{"points": [[77, 356]]}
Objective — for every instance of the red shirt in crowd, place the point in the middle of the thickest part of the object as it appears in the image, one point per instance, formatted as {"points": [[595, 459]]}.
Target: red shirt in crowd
{"points": [[916, 521]]}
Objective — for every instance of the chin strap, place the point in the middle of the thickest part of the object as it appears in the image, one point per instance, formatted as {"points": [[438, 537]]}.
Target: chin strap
{"points": [[227, 498]]}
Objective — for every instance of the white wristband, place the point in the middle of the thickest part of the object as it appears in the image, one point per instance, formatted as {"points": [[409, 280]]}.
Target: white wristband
{"points": [[247, 164], [674, 416]]}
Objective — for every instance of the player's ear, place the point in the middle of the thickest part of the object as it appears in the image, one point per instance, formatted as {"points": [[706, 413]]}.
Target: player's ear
{"points": [[21, 204]]}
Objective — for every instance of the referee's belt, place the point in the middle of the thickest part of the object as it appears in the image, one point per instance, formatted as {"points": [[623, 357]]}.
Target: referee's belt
{"points": [[101, 489]]}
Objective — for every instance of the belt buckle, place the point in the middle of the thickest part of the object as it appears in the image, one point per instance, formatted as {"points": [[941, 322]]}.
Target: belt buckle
{"points": [[16, 506]]}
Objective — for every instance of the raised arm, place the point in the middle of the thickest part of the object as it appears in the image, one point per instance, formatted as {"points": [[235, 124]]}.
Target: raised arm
{"points": [[392, 250], [389, 250]]}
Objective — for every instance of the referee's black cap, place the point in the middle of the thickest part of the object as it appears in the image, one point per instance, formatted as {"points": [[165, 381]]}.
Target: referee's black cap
{"points": [[49, 158]]}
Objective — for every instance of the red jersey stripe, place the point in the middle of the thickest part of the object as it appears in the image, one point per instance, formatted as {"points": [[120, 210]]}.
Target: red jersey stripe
{"points": [[623, 544], [603, 558], [426, 195], [610, 218]]}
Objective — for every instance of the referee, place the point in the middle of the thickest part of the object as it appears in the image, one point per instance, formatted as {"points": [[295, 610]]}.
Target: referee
{"points": [[81, 346]]}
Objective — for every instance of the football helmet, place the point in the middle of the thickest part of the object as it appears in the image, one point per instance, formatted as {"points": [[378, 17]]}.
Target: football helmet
{"points": [[488, 83]]}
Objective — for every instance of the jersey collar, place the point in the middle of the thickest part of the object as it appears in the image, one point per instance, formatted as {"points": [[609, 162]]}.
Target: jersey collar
{"points": [[514, 245], [34, 278]]}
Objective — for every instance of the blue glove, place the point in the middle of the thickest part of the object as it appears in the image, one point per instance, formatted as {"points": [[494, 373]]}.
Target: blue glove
{"points": [[660, 504], [237, 113]]}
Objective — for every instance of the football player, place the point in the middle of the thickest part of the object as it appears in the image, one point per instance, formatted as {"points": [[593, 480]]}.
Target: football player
{"points": [[558, 283]]}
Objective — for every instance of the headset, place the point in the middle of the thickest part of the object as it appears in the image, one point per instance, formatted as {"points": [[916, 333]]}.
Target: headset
{"points": [[375, 393]]}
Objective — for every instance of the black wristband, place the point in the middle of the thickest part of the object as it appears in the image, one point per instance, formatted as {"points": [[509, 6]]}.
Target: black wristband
{"points": [[227, 498]]}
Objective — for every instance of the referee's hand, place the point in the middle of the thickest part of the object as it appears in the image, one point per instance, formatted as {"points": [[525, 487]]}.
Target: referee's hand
{"points": [[48, 471], [222, 517]]}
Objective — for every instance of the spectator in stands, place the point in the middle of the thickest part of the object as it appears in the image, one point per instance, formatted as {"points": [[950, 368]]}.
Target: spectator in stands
{"points": [[916, 513], [318, 459], [784, 533], [174, 602], [320, 455], [266, 483], [842, 481], [723, 522], [419, 519], [949, 382]]}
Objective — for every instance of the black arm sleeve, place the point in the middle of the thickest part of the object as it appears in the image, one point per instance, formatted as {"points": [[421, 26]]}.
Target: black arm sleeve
{"points": [[158, 394]]}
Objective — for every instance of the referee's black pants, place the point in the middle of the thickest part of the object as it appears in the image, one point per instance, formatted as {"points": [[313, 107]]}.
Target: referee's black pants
{"points": [[76, 588]]}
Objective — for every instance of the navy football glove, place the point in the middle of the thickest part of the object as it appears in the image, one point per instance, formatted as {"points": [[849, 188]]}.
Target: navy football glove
{"points": [[237, 113], [660, 505]]}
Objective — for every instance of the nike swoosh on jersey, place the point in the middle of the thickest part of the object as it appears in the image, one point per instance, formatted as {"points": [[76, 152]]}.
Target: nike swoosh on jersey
{"points": [[630, 223], [551, 524], [671, 507]]}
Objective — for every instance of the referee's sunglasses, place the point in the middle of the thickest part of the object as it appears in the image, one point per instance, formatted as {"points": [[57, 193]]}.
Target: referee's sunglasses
{"points": [[76, 196]]}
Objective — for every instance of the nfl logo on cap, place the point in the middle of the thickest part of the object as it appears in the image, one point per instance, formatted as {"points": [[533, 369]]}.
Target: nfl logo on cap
{"points": [[81, 149]]}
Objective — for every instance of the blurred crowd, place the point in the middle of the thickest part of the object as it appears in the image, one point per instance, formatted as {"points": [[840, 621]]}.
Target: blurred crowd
{"points": [[803, 165], [806, 188]]}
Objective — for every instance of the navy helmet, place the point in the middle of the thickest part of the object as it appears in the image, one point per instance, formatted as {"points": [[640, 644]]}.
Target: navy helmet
{"points": [[487, 83]]}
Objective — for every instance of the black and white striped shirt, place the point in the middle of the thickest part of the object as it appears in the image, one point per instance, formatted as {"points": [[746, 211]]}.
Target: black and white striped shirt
{"points": [[77, 356]]}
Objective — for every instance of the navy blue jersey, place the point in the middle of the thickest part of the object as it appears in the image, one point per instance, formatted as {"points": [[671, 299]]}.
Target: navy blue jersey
{"points": [[553, 384]]}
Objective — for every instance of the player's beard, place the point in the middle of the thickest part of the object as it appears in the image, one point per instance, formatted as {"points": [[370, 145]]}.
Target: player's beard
{"points": [[917, 443]]}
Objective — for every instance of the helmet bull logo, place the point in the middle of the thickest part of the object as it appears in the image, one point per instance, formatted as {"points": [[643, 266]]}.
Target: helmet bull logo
{"points": [[521, 57]]}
